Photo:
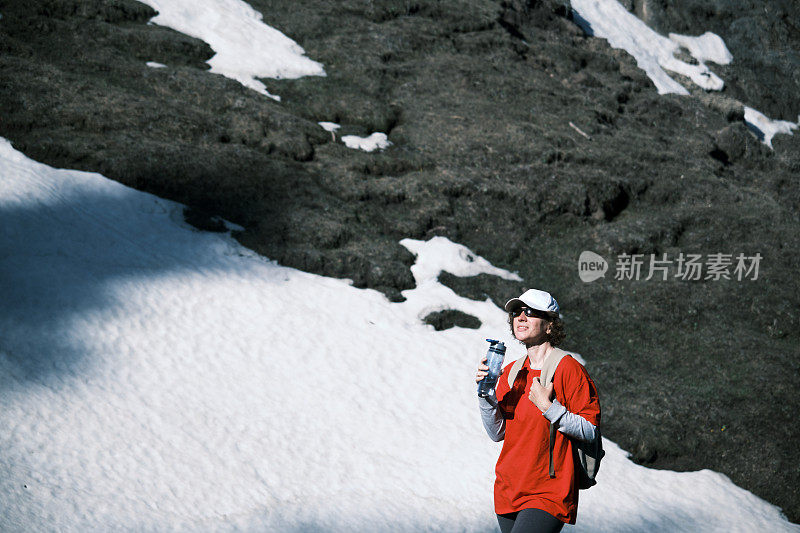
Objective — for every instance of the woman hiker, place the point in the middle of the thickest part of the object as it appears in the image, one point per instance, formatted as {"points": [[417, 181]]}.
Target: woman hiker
{"points": [[526, 497]]}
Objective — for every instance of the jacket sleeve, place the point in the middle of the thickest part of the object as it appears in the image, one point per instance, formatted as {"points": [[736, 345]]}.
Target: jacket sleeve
{"points": [[570, 424], [492, 417], [494, 421]]}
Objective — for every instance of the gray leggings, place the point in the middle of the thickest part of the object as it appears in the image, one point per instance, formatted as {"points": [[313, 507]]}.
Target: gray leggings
{"points": [[529, 521]]}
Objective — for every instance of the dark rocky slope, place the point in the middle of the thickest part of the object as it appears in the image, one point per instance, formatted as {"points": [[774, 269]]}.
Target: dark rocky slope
{"points": [[477, 97]]}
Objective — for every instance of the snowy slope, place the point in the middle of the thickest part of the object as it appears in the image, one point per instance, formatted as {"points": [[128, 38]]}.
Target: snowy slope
{"points": [[154, 377]]}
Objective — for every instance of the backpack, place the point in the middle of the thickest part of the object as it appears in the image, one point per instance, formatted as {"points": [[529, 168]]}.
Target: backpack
{"points": [[587, 455]]}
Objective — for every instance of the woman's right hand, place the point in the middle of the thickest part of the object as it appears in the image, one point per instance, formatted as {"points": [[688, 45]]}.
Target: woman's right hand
{"points": [[482, 372]]}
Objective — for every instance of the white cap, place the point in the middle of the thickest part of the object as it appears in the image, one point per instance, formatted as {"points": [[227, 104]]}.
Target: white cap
{"points": [[535, 299]]}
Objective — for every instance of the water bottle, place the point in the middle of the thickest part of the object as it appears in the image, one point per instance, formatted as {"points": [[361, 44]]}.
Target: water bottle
{"points": [[494, 360]]}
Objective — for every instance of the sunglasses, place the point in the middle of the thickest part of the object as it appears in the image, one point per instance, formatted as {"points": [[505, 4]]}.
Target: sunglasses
{"points": [[528, 312]]}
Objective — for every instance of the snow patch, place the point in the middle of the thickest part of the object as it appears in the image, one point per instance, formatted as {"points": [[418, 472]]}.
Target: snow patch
{"points": [[376, 141], [441, 254], [245, 47], [707, 47], [329, 126], [153, 64], [653, 52], [765, 128]]}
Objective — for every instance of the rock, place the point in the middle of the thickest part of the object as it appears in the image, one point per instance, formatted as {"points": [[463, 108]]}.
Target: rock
{"points": [[450, 318], [483, 286], [731, 109], [730, 143]]}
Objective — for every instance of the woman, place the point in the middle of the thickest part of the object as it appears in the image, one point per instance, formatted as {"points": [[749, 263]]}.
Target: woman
{"points": [[526, 497]]}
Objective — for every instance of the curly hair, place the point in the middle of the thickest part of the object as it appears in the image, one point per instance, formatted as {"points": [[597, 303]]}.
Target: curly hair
{"points": [[557, 332]]}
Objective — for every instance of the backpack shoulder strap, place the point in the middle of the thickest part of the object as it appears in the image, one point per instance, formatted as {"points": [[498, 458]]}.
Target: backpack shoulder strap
{"points": [[548, 368], [515, 368], [548, 372], [550, 365]]}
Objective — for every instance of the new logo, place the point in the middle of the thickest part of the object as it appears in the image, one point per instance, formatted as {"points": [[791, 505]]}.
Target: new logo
{"points": [[591, 266]]}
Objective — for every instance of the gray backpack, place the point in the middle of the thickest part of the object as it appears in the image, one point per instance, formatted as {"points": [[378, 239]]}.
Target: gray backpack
{"points": [[587, 455]]}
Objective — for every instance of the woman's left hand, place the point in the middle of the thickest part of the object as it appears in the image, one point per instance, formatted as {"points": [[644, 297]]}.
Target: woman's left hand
{"points": [[541, 396]]}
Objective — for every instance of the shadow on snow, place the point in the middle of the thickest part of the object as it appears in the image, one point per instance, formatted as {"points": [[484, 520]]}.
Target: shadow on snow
{"points": [[59, 256]]}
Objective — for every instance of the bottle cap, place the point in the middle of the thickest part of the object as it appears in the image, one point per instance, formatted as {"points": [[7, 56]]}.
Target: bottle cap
{"points": [[496, 345]]}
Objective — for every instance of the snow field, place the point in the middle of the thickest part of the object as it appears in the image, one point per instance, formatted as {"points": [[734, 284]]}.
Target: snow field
{"points": [[154, 377], [204, 383]]}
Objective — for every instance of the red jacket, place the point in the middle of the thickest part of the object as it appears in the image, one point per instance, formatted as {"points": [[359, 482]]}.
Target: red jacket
{"points": [[523, 479]]}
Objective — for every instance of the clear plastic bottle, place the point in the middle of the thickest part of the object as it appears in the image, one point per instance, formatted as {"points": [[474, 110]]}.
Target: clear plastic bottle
{"points": [[494, 360]]}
